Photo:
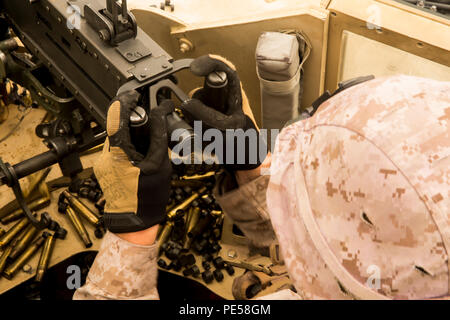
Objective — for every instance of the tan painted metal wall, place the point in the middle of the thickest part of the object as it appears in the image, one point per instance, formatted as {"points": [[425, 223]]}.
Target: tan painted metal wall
{"points": [[420, 38], [236, 38]]}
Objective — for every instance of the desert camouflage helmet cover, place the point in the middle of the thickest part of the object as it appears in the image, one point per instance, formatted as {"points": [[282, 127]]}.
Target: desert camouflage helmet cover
{"points": [[359, 194]]}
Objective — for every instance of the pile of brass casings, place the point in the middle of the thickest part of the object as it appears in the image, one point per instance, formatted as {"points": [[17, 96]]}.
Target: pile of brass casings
{"points": [[74, 209], [192, 229], [21, 242]]}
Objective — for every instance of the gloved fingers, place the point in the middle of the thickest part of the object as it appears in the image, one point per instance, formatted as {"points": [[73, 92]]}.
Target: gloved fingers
{"points": [[194, 109], [117, 123], [204, 65], [158, 152], [199, 94], [210, 116], [119, 111], [129, 98]]}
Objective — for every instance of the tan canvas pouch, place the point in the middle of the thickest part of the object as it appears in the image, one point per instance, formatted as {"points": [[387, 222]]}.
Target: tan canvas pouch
{"points": [[279, 61]]}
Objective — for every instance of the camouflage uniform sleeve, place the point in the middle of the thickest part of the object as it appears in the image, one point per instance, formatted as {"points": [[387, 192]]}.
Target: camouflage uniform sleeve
{"points": [[121, 271], [246, 206]]}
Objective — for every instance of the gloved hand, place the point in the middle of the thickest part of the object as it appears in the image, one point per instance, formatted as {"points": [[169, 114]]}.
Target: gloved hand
{"points": [[136, 186], [238, 114]]}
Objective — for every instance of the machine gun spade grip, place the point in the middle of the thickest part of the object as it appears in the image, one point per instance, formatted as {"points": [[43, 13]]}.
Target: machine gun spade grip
{"points": [[139, 124], [174, 121]]}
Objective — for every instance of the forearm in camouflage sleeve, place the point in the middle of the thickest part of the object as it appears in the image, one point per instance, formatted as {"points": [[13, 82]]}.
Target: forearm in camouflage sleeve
{"points": [[121, 270], [246, 206]]}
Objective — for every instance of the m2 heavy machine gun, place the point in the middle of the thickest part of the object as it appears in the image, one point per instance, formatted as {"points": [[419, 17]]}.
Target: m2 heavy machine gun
{"points": [[80, 54]]}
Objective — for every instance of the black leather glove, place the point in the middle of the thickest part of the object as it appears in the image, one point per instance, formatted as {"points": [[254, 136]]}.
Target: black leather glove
{"points": [[234, 117], [136, 186]]}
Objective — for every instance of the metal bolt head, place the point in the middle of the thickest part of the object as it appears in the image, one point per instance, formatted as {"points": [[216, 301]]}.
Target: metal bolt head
{"points": [[27, 269], [184, 47], [104, 35], [232, 254], [138, 117], [217, 79]]}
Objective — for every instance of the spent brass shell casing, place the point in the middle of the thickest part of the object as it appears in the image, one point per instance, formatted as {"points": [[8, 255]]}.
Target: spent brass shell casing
{"points": [[193, 217], [160, 229], [165, 234], [34, 205], [23, 258], [28, 236], [12, 217], [79, 227], [186, 203], [81, 208], [216, 213], [2, 231], [19, 236], [198, 176], [45, 257], [92, 150], [14, 207], [4, 258], [200, 226], [11, 233]]}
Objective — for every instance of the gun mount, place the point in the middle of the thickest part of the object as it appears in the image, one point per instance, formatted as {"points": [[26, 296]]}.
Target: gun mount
{"points": [[80, 55]]}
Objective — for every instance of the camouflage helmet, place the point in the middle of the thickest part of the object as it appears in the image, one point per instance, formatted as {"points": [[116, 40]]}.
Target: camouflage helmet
{"points": [[359, 193]]}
